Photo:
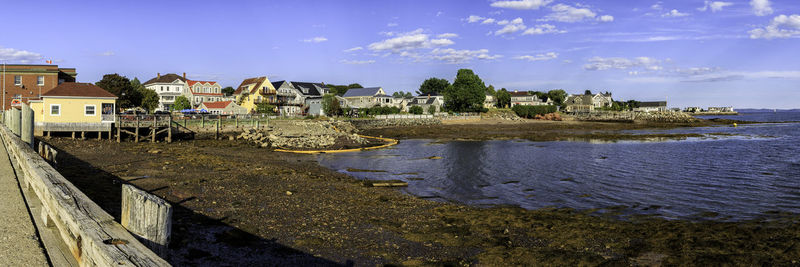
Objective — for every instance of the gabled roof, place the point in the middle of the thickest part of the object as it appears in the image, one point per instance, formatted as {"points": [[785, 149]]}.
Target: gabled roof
{"points": [[579, 100], [78, 90], [311, 88], [191, 83], [362, 92], [278, 84], [249, 81], [218, 104], [519, 93], [168, 78]]}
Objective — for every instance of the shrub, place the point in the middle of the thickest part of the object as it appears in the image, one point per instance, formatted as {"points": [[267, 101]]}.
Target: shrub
{"points": [[415, 110], [532, 111], [431, 109], [378, 110]]}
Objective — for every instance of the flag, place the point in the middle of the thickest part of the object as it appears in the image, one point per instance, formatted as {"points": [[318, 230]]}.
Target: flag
{"points": [[49, 61]]}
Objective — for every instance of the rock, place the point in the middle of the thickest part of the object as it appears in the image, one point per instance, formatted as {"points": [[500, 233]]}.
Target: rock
{"points": [[289, 193], [154, 151]]}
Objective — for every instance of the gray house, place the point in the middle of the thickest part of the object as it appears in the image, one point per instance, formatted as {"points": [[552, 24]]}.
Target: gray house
{"points": [[363, 97]]}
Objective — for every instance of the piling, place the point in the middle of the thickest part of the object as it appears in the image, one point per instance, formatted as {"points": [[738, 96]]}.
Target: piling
{"points": [[26, 127], [15, 121]]}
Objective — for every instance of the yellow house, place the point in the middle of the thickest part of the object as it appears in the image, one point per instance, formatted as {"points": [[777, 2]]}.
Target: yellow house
{"points": [[74, 107], [253, 91]]}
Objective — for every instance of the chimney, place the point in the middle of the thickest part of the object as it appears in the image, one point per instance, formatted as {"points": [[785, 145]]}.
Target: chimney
{"points": [[184, 75], [159, 75]]}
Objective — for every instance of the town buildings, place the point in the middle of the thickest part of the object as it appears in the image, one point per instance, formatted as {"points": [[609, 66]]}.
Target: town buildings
{"points": [[588, 102], [253, 91], [228, 107], [203, 91], [652, 106], [525, 99], [22, 83]]}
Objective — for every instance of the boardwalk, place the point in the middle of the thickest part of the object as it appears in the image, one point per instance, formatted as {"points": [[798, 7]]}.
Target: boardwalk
{"points": [[19, 244]]}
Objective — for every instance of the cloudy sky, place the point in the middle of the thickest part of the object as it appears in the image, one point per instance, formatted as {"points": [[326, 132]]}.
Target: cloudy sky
{"points": [[692, 53]]}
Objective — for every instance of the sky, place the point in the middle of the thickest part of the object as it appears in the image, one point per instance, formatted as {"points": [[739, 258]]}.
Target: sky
{"points": [[744, 54]]}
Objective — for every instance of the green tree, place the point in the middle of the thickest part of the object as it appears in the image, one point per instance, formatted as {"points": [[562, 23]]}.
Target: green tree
{"points": [[558, 96], [433, 86], [490, 90], [340, 90], [402, 94], [228, 91], [588, 92], [503, 98], [415, 110], [541, 95], [181, 103], [121, 87], [431, 109], [466, 94], [264, 108], [149, 99], [331, 106]]}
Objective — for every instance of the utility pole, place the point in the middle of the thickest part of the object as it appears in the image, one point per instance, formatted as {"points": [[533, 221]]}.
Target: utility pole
{"points": [[4, 86]]}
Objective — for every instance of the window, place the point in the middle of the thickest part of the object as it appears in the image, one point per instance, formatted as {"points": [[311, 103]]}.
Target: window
{"points": [[18, 96], [55, 109], [88, 110], [17, 80], [40, 80]]}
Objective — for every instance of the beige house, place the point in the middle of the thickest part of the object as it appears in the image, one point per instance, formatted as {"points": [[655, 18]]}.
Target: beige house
{"points": [[74, 107], [364, 97], [223, 108]]}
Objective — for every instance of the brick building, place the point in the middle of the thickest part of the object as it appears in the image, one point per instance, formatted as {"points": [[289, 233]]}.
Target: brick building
{"points": [[23, 83]]}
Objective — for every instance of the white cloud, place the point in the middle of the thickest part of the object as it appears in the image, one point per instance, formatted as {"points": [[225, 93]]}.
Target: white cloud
{"points": [[600, 63], [357, 62], [511, 26], [317, 39], [107, 53], [657, 6], [522, 4], [474, 18], [447, 35], [781, 27], [442, 42], [714, 6], [761, 7], [353, 49], [539, 57], [11, 54], [439, 13], [606, 18], [454, 56], [392, 24], [488, 21], [565, 13], [542, 29], [407, 41], [674, 13]]}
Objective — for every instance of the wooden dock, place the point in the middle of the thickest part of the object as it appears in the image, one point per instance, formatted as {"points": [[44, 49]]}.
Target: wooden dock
{"points": [[148, 126]]}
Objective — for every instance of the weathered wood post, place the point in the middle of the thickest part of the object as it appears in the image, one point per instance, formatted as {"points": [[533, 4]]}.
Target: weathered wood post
{"points": [[202, 121], [169, 130], [236, 118], [219, 122], [257, 121], [26, 128], [147, 217], [136, 131], [184, 123], [216, 133], [15, 121], [155, 128], [119, 128]]}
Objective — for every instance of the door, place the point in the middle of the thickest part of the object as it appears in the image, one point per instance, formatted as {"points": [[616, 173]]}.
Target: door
{"points": [[108, 112]]}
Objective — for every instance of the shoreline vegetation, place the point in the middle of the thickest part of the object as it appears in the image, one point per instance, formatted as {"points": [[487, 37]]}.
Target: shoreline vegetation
{"points": [[238, 203]]}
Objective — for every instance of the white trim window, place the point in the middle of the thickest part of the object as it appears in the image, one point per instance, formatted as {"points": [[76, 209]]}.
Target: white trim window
{"points": [[18, 80], [90, 110], [55, 109], [40, 80]]}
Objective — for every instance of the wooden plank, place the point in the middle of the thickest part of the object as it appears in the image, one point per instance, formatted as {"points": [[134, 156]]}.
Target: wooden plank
{"points": [[91, 235]]}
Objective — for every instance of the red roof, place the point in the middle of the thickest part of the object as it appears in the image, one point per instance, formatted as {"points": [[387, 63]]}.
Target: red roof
{"points": [[211, 94], [218, 104], [78, 90], [191, 83]]}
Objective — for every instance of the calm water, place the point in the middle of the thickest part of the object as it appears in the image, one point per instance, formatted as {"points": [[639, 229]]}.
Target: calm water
{"points": [[739, 173], [760, 116]]}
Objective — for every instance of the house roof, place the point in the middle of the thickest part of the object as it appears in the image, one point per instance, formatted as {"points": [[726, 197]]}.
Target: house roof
{"points": [[311, 88], [78, 90], [653, 104], [579, 100], [191, 83], [249, 81], [168, 78], [278, 84], [217, 105], [362, 92], [519, 93]]}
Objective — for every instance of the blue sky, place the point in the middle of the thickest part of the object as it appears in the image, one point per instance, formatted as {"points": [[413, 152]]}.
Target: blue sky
{"points": [[692, 53]]}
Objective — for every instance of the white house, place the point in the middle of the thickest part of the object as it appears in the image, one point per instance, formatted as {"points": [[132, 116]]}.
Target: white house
{"points": [[168, 87]]}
